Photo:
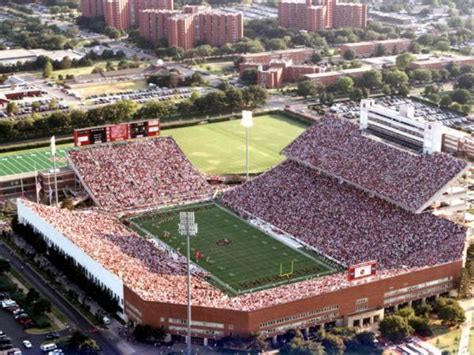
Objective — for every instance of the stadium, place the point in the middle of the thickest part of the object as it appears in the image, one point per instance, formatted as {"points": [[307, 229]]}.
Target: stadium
{"points": [[339, 233]]}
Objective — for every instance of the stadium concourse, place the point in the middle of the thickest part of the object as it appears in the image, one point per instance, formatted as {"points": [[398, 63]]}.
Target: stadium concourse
{"points": [[346, 197]]}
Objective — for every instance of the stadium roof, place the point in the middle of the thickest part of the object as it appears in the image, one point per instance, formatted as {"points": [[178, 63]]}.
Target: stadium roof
{"points": [[340, 149]]}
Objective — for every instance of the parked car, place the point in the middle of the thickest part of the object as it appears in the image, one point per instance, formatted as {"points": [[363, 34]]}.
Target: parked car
{"points": [[27, 344]]}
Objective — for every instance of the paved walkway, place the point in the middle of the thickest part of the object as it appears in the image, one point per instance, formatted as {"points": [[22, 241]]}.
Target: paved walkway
{"points": [[468, 306]]}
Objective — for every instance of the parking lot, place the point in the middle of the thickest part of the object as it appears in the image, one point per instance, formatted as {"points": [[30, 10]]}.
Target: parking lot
{"points": [[142, 96], [350, 110], [254, 11]]}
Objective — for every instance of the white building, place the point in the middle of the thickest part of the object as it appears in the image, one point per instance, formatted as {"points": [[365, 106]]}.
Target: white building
{"points": [[402, 125]]}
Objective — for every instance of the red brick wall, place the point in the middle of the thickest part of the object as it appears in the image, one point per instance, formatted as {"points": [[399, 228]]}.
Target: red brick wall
{"points": [[240, 322]]}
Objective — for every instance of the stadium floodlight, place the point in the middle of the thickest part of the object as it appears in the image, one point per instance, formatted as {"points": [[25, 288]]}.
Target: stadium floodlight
{"points": [[187, 227], [247, 122], [53, 154]]}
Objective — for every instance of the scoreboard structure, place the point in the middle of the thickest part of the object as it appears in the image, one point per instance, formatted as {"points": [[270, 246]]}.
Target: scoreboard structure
{"points": [[116, 132]]}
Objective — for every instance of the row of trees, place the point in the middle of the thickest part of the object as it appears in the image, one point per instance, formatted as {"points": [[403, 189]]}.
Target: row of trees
{"points": [[68, 266], [65, 63], [225, 100], [408, 321]]}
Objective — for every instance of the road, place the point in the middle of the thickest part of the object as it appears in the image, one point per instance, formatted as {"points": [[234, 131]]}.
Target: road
{"points": [[76, 319], [468, 306]]}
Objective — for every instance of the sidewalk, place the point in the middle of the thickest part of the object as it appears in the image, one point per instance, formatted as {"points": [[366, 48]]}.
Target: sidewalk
{"points": [[468, 306]]}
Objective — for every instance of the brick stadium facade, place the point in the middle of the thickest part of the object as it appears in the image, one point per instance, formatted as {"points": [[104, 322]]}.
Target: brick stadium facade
{"points": [[343, 307], [319, 15], [195, 24], [361, 302], [368, 49]]}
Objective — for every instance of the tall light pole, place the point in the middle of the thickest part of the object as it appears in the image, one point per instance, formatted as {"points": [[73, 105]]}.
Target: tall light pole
{"points": [[247, 122], [53, 154], [188, 228]]}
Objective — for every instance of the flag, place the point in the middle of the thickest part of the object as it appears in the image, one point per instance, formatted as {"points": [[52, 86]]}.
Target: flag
{"points": [[53, 146], [363, 270]]}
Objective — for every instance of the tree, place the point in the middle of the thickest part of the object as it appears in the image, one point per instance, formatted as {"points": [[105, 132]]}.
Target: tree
{"points": [[452, 314], [112, 32], [442, 46], [395, 78], [461, 96], [77, 340], [47, 69], [404, 90], [445, 101], [249, 76], [395, 328], [333, 344], [345, 84], [276, 44], [4, 266], [316, 58], [372, 79], [406, 312], [403, 60], [380, 50], [42, 305], [466, 81], [299, 346], [421, 326], [349, 54], [306, 88], [366, 338], [12, 108], [355, 95], [421, 75], [32, 295]]}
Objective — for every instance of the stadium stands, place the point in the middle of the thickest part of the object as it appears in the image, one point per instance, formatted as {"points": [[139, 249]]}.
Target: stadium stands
{"points": [[345, 223], [138, 174], [338, 148]]}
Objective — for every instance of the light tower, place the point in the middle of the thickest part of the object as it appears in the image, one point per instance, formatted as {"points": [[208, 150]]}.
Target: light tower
{"points": [[247, 122], [188, 228]]}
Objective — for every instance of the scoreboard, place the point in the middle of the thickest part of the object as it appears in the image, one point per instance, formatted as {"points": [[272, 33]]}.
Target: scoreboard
{"points": [[116, 132]]}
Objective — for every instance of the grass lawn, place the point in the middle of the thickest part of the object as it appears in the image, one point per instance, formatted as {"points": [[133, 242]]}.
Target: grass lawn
{"points": [[109, 88], [240, 257], [445, 338], [219, 148], [84, 70], [221, 68], [214, 148]]}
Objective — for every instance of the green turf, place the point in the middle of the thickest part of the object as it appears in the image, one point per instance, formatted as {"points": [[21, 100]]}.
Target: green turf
{"points": [[251, 261], [219, 148], [215, 148], [29, 161]]}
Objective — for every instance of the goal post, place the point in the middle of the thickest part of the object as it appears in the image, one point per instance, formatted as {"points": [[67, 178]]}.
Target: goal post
{"points": [[291, 271]]}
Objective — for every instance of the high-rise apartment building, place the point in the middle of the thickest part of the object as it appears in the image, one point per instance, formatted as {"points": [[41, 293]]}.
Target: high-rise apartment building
{"points": [[92, 8], [316, 15], [196, 24], [117, 13]]}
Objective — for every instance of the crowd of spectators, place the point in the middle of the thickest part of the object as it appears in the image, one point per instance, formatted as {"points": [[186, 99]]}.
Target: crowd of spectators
{"points": [[339, 148], [346, 223], [138, 174]]}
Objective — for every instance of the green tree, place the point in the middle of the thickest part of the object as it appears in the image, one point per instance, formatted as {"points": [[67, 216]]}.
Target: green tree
{"points": [[276, 44], [47, 69], [421, 326], [403, 60], [452, 314], [466, 81], [345, 84], [395, 328], [77, 340], [406, 312], [306, 88], [112, 32], [380, 50], [461, 96], [421, 75], [32, 295], [299, 346], [349, 54], [445, 101], [42, 305], [395, 78], [316, 58], [249, 76], [333, 344], [404, 90], [372, 79], [12, 108]]}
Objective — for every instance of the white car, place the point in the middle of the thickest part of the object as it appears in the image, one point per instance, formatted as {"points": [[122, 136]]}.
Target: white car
{"points": [[27, 344]]}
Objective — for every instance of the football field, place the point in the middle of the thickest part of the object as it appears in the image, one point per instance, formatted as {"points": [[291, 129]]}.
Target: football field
{"points": [[239, 256], [214, 148], [31, 160]]}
